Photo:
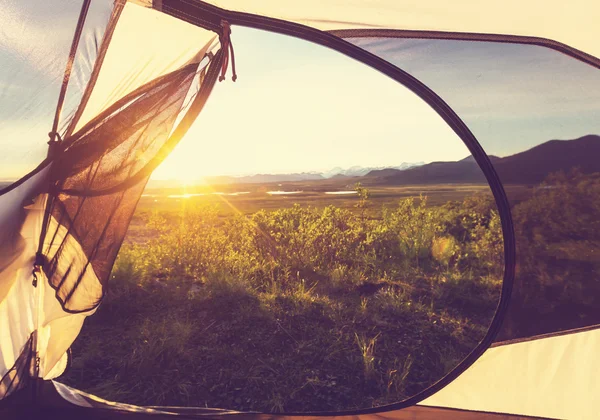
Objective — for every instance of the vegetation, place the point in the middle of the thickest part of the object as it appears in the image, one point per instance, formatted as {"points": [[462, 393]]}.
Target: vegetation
{"points": [[558, 248], [295, 309], [309, 308]]}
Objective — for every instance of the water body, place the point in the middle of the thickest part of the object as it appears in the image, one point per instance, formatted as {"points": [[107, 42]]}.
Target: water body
{"points": [[233, 193], [237, 193], [185, 195], [200, 194], [283, 192]]}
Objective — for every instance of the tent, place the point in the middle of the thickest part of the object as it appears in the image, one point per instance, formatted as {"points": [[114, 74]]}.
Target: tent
{"points": [[125, 81]]}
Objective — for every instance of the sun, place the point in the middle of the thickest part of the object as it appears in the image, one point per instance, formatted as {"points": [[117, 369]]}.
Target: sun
{"points": [[179, 170]]}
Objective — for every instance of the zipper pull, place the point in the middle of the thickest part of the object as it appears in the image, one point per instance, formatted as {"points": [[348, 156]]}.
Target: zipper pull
{"points": [[37, 268], [227, 47]]}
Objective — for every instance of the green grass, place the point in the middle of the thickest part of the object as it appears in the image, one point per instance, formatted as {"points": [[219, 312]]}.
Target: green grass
{"points": [[297, 304], [302, 308]]}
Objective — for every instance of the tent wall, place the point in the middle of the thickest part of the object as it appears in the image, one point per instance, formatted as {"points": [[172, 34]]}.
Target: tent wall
{"points": [[25, 310], [35, 39], [584, 85], [133, 119], [28, 311], [81, 198], [547, 377]]}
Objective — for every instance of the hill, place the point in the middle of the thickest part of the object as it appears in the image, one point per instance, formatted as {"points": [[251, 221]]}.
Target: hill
{"points": [[533, 165], [528, 167]]}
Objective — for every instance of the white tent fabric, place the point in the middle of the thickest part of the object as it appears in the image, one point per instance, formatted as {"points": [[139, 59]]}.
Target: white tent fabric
{"points": [[16, 299], [35, 38], [141, 49], [25, 308], [551, 377], [574, 23]]}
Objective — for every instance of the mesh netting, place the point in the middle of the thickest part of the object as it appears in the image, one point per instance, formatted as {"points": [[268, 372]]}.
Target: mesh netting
{"points": [[99, 175], [17, 377]]}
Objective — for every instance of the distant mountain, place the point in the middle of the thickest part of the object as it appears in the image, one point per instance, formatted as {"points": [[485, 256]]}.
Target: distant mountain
{"points": [[355, 171], [335, 173], [533, 165], [362, 171], [431, 173], [528, 167], [267, 178], [383, 172], [408, 165], [471, 158]]}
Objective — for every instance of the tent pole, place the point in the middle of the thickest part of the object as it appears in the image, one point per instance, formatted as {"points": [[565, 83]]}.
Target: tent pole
{"points": [[108, 33], [65, 83]]}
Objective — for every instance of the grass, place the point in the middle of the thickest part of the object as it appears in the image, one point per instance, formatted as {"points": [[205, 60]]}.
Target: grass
{"points": [[302, 308], [292, 351]]}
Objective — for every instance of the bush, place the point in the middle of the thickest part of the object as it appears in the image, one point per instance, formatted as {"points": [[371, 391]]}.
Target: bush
{"points": [[298, 309]]}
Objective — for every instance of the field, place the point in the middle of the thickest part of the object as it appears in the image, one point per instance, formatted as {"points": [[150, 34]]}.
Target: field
{"points": [[256, 198], [315, 302], [299, 302]]}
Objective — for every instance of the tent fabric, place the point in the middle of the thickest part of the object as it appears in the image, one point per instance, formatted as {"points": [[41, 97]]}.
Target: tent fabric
{"points": [[68, 288], [140, 79], [42, 309], [61, 401], [82, 235], [549, 377], [35, 39], [573, 24], [31, 313], [100, 157]]}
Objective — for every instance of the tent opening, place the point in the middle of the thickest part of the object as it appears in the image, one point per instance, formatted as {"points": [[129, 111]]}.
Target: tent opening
{"points": [[321, 240]]}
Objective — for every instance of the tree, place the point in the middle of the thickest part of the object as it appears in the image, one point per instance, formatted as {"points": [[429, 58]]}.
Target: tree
{"points": [[363, 196]]}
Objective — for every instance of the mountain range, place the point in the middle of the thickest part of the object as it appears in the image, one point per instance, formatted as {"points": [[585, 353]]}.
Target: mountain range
{"points": [[528, 167], [362, 170], [335, 173]]}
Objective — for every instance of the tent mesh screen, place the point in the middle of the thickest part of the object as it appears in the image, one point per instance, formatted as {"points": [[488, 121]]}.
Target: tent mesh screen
{"points": [[18, 376], [98, 177]]}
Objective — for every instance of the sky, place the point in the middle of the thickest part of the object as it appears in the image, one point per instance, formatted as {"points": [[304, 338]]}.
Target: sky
{"points": [[299, 107], [511, 96]]}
